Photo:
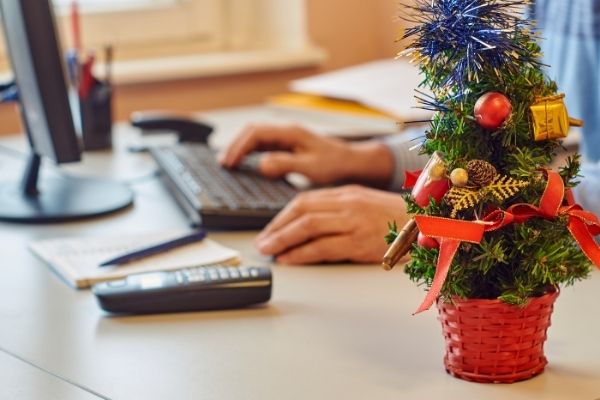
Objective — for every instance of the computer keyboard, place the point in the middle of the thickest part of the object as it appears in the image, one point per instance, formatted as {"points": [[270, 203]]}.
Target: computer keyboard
{"points": [[215, 197]]}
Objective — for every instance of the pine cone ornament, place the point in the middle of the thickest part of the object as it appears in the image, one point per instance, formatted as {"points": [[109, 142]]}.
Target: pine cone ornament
{"points": [[481, 173]]}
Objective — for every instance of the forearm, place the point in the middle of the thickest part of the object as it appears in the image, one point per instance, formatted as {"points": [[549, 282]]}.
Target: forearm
{"points": [[370, 162], [382, 163]]}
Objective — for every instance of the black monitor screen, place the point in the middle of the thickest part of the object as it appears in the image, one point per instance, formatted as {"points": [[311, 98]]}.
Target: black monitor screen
{"points": [[38, 68], [37, 65]]}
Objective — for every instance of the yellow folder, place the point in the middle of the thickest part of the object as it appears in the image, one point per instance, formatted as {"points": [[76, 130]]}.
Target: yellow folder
{"points": [[320, 103]]}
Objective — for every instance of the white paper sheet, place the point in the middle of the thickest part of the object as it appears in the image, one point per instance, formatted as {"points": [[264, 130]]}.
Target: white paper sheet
{"points": [[386, 85], [77, 259]]}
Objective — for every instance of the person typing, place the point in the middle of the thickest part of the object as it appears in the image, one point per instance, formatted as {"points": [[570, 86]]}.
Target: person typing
{"points": [[345, 223]]}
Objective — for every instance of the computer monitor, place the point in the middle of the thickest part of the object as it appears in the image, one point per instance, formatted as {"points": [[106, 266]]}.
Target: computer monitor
{"points": [[35, 56]]}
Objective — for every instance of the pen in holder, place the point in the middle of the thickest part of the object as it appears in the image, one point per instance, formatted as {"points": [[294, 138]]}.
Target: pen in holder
{"points": [[95, 107], [90, 98]]}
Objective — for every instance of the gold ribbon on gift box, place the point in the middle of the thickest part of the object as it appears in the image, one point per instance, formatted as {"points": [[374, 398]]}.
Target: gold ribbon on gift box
{"points": [[550, 118]]}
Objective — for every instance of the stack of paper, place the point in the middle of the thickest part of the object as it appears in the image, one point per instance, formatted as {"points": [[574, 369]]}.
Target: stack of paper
{"points": [[77, 260], [386, 86]]}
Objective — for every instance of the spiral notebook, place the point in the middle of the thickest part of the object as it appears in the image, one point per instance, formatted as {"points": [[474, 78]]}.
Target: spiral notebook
{"points": [[77, 260]]}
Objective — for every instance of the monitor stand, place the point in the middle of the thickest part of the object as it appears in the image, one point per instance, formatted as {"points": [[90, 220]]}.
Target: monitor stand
{"points": [[59, 199]]}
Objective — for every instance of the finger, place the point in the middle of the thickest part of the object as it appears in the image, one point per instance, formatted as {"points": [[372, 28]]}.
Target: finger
{"points": [[307, 227], [313, 201], [326, 248], [253, 137], [242, 145], [278, 164]]}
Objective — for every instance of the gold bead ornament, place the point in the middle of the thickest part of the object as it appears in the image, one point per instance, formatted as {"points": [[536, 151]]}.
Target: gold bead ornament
{"points": [[459, 177], [437, 171]]}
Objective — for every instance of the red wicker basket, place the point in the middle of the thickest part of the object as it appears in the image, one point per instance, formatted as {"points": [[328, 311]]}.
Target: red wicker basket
{"points": [[492, 342]]}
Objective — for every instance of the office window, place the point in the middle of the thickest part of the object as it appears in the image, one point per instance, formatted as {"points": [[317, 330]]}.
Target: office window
{"points": [[145, 28], [104, 5], [228, 32]]}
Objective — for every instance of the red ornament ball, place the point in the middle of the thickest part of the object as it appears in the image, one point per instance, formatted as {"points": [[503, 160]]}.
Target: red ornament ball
{"points": [[427, 242], [492, 109]]}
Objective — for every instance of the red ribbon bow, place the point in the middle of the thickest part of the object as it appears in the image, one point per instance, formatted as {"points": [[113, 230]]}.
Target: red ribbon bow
{"points": [[582, 224]]}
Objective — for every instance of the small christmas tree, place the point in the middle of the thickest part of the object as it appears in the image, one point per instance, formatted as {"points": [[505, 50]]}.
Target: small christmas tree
{"points": [[496, 128], [493, 221]]}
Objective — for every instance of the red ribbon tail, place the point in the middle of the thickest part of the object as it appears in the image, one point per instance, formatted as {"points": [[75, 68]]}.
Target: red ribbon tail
{"points": [[448, 248], [585, 240]]}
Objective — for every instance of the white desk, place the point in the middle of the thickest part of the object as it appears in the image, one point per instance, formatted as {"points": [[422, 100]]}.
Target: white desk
{"points": [[21, 380], [335, 331]]}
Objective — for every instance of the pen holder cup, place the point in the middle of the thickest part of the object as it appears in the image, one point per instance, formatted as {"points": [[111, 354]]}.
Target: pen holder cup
{"points": [[96, 116]]}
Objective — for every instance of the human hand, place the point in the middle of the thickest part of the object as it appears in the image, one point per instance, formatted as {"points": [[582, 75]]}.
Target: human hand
{"points": [[323, 160], [347, 223]]}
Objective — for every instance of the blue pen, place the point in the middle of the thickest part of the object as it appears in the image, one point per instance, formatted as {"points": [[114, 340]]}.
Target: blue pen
{"points": [[73, 66], [156, 249], [9, 93]]}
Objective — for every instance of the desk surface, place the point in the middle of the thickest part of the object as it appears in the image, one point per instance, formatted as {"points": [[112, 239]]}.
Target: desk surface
{"points": [[335, 331], [21, 380]]}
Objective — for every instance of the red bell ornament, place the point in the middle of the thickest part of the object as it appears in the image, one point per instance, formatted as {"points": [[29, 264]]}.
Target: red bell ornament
{"points": [[492, 110], [427, 242]]}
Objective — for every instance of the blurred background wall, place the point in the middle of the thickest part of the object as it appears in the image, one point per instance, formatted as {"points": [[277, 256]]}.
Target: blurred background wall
{"points": [[349, 31]]}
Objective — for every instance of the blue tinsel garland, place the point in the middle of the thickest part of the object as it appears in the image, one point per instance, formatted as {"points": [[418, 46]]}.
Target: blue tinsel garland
{"points": [[468, 36]]}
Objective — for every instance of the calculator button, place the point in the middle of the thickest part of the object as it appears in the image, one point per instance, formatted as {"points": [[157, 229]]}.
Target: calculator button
{"points": [[254, 272], [213, 274], [244, 272], [233, 272]]}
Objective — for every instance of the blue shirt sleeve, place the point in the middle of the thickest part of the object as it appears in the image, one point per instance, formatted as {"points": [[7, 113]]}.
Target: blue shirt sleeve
{"points": [[405, 149]]}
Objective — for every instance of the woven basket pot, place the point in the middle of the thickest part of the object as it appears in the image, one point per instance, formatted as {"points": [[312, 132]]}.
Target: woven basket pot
{"points": [[492, 342]]}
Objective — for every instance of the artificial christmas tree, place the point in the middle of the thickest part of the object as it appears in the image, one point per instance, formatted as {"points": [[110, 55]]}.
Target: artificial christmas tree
{"points": [[504, 232]]}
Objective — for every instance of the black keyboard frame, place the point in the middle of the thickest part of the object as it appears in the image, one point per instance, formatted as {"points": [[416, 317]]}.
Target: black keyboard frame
{"points": [[202, 215]]}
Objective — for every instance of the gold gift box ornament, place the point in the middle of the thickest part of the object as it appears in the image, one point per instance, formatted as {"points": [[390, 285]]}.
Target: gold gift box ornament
{"points": [[551, 119]]}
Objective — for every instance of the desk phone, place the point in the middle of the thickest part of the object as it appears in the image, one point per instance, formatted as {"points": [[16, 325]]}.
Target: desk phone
{"points": [[210, 287]]}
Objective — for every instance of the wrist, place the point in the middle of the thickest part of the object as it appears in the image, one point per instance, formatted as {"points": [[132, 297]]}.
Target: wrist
{"points": [[372, 163]]}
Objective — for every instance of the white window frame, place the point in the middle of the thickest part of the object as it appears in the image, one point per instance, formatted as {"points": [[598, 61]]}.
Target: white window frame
{"points": [[195, 37], [98, 6]]}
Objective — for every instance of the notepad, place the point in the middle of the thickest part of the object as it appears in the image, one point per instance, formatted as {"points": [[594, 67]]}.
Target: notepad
{"points": [[77, 260]]}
